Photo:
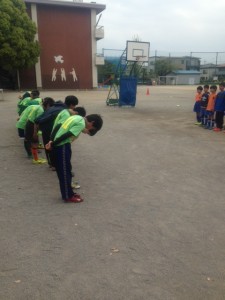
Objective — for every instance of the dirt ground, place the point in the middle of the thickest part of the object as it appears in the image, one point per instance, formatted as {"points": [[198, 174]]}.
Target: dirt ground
{"points": [[153, 221]]}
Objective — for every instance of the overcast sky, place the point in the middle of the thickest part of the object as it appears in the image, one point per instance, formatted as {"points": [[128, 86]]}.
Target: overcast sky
{"points": [[169, 25]]}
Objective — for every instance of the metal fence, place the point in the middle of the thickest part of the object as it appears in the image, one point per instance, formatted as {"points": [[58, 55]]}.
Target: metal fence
{"points": [[210, 65], [206, 57]]}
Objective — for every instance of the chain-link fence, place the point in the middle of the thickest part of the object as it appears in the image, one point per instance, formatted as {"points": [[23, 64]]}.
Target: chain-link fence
{"points": [[209, 65], [205, 57]]}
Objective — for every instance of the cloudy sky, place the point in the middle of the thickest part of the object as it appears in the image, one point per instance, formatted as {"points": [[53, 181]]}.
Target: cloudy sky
{"points": [[169, 25]]}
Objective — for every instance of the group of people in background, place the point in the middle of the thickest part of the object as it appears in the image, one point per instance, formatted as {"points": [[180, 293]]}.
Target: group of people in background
{"points": [[210, 107], [58, 124]]}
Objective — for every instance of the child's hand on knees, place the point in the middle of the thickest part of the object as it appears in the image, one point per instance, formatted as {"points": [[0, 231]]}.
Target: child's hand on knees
{"points": [[48, 146]]}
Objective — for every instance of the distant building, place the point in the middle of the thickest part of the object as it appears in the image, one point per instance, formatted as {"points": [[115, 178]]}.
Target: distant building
{"points": [[208, 71], [186, 69], [183, 77], [180, 63], [212, 72], [221, 71], [68, 36]]}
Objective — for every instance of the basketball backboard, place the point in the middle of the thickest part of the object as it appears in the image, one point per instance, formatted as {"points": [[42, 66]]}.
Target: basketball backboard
{"points": [[137, 51]]}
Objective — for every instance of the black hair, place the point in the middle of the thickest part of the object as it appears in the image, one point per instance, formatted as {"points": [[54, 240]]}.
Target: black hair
{"points": [[25, 95], [48, 101], [200, 88], [222, 83], [35, 93], [71, 100], [213, 87], [80, 110], [92, 132], [97, 121], [206, 86]]}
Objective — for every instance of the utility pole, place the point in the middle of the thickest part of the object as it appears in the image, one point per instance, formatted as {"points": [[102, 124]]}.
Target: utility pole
{"points": [[190, 59], [155, 59], [216, 63]]}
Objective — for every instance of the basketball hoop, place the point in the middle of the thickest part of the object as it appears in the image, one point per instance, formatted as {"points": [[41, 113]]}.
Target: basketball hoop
{"points": [[137, 51], [139, 58]]}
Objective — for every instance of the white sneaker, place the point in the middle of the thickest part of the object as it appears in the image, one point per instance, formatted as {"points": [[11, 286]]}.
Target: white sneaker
{"points": [[75, 185]]}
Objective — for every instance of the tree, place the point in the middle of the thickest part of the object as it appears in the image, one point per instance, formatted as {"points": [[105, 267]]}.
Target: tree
{"points": [[145, 76], [163, 67], [106, 72], [17, 36]]}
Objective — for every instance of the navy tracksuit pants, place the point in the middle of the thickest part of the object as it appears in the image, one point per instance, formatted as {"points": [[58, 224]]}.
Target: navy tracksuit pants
{"points": [[63, 169], [219, 119]]}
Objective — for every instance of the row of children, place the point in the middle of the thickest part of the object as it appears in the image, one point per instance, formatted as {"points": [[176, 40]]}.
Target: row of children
{"points": [[210, 106], [59, 123]]}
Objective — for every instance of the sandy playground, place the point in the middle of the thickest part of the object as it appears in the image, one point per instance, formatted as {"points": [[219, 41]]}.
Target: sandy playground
{"points": [[153, 220]]}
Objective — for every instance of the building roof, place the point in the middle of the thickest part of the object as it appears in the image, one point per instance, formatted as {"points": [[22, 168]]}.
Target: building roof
{"points": [[176, 57], [92, 5], [207, 66], [185, 72]]}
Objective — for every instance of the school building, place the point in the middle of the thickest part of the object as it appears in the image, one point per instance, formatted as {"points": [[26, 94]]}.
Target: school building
{"points": [[212, 72], [67, 33], [186, 63], [183, 77]]}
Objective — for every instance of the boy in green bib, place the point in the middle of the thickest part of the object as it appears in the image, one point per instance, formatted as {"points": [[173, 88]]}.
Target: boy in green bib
{"points": [[34, 99], [30, 136], [64, 115], [61, 145]]}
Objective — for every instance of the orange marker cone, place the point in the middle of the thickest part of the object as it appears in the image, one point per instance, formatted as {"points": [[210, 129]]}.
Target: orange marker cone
{"points": [[147, 92]]}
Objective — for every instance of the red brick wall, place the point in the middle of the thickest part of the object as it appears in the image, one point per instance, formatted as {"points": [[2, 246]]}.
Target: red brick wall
{"points": [[66, 32], [28, 79]]}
